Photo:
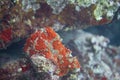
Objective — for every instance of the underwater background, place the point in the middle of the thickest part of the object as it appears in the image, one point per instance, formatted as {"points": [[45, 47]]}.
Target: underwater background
{"points": [[59, 40]]}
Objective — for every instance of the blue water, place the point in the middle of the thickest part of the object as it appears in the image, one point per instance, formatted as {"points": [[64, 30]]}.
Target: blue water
{"points": [[111, 31]]}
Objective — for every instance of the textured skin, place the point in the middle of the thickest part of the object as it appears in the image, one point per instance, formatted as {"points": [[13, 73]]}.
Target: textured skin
{"points": [[48, 44]]}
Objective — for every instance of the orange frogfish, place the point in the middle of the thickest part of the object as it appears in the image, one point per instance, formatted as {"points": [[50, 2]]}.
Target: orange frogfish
{"points": [[47, 43]]}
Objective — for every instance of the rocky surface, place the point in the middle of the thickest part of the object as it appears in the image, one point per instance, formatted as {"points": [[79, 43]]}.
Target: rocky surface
{"points": [[95, 54], [20, 18], [96, 46]]}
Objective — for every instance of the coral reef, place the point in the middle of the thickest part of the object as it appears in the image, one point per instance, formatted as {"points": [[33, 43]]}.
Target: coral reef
{"points": [[45, 57], [13, 69], [12, 22], [57, 6], [98, 59], [103, 8], [23, 16]]}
